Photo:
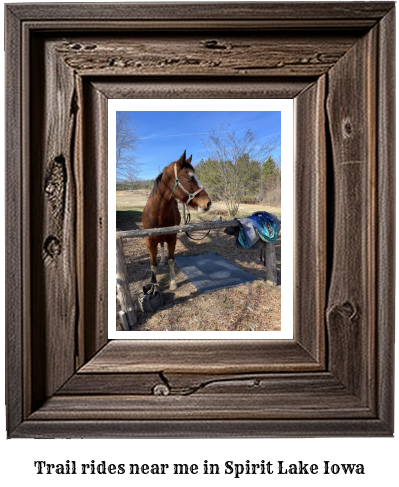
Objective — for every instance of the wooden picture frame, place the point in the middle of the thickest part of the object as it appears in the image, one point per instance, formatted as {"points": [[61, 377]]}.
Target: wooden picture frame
{"points": [[335, 378]]}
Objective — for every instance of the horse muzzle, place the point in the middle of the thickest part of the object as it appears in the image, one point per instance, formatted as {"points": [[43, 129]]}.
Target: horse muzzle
{"points": [[202, 209]]}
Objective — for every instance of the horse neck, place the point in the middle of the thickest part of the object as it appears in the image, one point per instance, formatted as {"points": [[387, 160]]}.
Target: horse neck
{"points": [[164, 197]]}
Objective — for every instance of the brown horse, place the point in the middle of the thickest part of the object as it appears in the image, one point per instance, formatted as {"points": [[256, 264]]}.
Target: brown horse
{"points": [[178, 182]]}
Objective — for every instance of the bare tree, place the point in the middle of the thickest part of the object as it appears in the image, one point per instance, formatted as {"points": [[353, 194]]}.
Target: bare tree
{"points": [[127, 144], [232, 162], [132, 177]]}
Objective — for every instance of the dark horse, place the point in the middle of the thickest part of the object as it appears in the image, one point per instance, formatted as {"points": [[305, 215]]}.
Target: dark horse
{"points": [[178, 182]]}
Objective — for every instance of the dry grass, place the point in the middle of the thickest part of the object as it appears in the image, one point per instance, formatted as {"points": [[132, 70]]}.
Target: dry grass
{"points": [[253, 306], [136, 200], [127, 200], [272, 197]]}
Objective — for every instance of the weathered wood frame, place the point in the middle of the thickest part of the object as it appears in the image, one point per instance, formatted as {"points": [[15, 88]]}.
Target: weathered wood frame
{"points": [[64, 379]]}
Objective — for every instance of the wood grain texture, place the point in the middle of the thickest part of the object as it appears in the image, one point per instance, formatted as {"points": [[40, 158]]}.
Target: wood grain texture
{"points": [[53, 213], [195, 87], [218, 55], [113, 384], [270, 263], [14, 237], [352, 126], [191, 428], [65, 62], [310, 194], [250, 406], [385, 224], [359, 13], [200, 356], [122, 287], [191, 227], [257, 396], [185, 383], [95, 202], [77, 150]]}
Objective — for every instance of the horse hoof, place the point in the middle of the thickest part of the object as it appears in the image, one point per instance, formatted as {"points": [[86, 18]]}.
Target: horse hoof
{"points": [[173, 286]]}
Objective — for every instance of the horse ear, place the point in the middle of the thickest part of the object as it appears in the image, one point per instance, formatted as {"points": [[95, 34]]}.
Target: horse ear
{"points": [[189, 159], [182, 159]]}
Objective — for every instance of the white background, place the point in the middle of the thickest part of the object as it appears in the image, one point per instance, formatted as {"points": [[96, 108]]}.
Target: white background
{"points": [[286, 107], [379, 456]]}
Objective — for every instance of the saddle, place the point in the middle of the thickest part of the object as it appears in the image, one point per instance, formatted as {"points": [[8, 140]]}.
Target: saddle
{"points": [[150, 299]]}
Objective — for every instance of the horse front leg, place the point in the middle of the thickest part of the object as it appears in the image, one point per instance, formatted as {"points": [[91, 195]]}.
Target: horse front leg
{"points": [[162, 261], [153, 250], [171, 262]]}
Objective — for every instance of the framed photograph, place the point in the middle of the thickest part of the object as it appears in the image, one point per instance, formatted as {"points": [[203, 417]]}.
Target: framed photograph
{"points": [[222, 289], [65, 377]]}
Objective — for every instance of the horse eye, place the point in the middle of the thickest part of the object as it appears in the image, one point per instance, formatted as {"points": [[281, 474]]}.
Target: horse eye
{"points": [[190, 178]]}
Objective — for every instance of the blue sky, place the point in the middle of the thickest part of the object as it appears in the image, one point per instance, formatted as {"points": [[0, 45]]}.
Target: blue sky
{"points": [[165, 135]]}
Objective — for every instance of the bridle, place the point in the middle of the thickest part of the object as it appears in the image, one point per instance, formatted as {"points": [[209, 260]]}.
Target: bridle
{"points": [[191, 196]]}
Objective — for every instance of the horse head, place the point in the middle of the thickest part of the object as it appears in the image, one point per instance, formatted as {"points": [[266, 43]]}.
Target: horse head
{"points": [[187, 187]]}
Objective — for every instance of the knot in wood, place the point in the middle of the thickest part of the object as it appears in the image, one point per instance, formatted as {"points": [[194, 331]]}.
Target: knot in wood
{"points": [[161, 390], [213, 44], [346, 310], [54, 185], [50, 188], [52, 246], [349, 310], [347, 128], [51, 249]]}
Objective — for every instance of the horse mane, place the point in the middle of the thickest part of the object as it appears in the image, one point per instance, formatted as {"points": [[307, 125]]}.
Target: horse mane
{"points": [[159, 177], [156, 184]]}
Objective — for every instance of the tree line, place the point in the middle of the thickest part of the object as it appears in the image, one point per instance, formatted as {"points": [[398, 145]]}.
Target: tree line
{"points": [[126, 185], [245, 181]]}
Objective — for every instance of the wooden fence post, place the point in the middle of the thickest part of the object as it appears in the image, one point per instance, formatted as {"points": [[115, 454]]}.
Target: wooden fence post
{"points": [[270, 262], [128, 316]]}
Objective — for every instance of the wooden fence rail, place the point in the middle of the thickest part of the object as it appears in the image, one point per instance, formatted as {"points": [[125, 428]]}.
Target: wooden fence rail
{"points": [[191, 227], [127, 314]]}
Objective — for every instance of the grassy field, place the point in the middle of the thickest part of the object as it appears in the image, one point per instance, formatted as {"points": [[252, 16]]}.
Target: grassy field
{"points": [[254, 306], [136, 200]]}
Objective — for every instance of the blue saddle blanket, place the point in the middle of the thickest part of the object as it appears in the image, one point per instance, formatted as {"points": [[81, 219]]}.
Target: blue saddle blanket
{"points": [[261, 225]]}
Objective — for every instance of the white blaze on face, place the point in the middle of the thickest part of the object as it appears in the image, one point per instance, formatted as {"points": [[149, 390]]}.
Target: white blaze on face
{"points": [[193, 175]]}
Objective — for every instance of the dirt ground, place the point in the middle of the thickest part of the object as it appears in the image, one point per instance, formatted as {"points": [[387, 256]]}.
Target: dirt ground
{"points": [[253, 306]]}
